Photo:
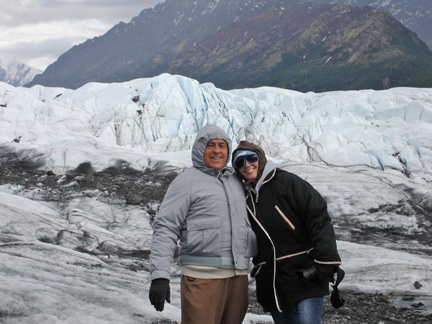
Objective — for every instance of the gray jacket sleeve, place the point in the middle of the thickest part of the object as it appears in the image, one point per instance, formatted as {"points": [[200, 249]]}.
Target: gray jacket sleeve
{"points": [[167, 227]]}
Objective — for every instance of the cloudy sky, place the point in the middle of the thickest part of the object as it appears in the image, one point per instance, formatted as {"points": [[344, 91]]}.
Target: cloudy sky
{"points": [[37, 32]]}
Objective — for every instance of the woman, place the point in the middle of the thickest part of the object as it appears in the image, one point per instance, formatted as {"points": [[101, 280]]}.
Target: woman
{"points": [[297, 247]]}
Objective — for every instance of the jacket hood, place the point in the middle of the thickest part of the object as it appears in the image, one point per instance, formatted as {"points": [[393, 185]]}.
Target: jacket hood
{"points": [[268, 168], [206, 134], [245, 145]]}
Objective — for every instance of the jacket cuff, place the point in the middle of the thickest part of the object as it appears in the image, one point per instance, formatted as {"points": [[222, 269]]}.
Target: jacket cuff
{"points": [[158, 274]]}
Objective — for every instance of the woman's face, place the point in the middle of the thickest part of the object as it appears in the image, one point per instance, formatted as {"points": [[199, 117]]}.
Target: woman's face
{"points": [[250, 171]]}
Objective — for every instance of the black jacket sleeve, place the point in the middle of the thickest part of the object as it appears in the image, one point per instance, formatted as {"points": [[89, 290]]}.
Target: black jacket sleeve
{"points": [[312, 209]]}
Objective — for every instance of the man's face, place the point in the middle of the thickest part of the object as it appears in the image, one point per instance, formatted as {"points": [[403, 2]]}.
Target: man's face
{"points": [[216, 154]]}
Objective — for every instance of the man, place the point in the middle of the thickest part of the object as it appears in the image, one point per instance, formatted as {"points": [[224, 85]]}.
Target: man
{"points": [[204, 208]]}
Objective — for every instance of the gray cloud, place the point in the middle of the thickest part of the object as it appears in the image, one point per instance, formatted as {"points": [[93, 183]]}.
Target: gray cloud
{"points": [[50, 47], [19, 12], [39, 54], [37, 32]]}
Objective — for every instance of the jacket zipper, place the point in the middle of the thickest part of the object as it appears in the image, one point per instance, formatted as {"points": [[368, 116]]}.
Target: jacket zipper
{"points": [[264, 182]]}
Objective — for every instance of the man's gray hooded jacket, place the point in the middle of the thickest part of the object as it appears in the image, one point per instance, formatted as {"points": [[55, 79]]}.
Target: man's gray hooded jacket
{"points": [[205, 210]]}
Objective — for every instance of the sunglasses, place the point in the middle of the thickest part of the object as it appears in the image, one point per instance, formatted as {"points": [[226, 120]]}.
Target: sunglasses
{"points": [[251, 159]]}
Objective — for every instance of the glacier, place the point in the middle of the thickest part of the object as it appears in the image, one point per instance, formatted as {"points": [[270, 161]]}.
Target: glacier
{"points": [[389, 130], [369, 153]]}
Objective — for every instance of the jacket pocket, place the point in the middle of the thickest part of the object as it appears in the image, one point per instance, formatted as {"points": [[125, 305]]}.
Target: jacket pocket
{"points": [[288, 279], [203, 236], [284, 217]]}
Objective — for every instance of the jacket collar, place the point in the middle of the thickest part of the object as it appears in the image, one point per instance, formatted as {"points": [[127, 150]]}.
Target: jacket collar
{"points": [[268, 174], [270, 168]]}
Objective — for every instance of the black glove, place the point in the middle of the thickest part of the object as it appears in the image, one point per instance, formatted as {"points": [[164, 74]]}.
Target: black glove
{"points": [[316, 272], [306, 275], [159, 292]]}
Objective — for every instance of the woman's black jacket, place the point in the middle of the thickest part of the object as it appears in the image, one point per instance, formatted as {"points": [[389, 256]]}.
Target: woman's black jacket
{"points": [[294, 232]]}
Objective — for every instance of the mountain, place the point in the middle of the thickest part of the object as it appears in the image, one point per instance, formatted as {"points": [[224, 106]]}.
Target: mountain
{"points": [[235, 44], [82, 177], [169, 27], [414, 14], [16, 73], [305, 47]]}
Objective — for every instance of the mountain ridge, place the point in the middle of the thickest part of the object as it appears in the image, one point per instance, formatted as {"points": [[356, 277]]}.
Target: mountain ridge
{"points": [[414, 14], [267, 47], [175, 37], [151, 32]]}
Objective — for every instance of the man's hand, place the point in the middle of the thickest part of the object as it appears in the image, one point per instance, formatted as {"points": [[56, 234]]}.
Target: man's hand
{"points": [[159, 292]]}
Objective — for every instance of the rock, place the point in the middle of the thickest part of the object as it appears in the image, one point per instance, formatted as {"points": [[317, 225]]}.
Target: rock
{"points": [[80, 178], [408, 298], [418, 285], [417, 305], [17, 140], [134, 199], [384, 299]]}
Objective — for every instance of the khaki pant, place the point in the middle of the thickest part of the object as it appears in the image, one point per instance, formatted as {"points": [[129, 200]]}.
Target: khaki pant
{"points": [[214, 301]]}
